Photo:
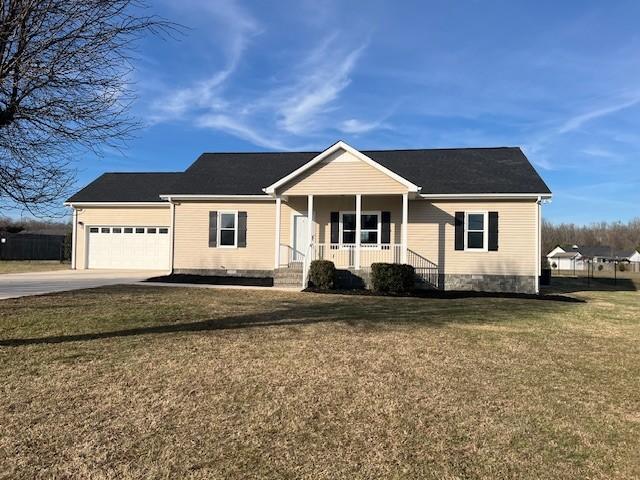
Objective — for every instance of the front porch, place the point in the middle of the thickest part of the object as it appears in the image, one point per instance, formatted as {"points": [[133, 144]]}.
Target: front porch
{"points": [[352, 231]]}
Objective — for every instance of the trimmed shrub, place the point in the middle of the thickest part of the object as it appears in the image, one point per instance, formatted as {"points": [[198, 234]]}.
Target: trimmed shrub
{"points": [[392, 277], [600, 268], [554, 265], [621, 267], [322, 274]]}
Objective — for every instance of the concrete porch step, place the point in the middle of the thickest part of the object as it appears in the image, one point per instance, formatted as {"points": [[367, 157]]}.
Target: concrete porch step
{"points": [[288, 277]]}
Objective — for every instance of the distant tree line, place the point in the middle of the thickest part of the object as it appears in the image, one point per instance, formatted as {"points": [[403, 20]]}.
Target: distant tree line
{"points": [[11, 225], [618, 235]]}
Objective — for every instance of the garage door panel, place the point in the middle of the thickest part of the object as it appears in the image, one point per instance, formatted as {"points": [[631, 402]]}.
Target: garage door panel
{"points": [[147, 250]]}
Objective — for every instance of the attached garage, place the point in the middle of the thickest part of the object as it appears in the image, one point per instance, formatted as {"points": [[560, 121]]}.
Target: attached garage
{"points": [[129, 247]]}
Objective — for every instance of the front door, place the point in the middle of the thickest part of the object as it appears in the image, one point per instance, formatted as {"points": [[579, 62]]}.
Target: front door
{"points": [[300, 237]]}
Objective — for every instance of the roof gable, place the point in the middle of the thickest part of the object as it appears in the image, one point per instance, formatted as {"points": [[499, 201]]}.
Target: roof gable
{"points": [[341, 173], [336, 147]]}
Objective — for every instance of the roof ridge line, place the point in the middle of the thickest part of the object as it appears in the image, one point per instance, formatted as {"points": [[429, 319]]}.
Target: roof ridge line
{"points": [[364, 150], [141, 173]]}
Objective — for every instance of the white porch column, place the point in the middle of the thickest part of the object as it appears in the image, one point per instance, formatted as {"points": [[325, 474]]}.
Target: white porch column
{"points": [[405, 226], [277, 258], [310, 224], [358, 229]]}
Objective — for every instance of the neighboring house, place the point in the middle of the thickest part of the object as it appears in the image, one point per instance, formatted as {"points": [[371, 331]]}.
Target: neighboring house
{"points": [[632, 256], [570, 257], [466, 218]]}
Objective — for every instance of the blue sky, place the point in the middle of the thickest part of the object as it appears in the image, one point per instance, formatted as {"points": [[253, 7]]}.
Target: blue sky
{"points": [[559, 79]]}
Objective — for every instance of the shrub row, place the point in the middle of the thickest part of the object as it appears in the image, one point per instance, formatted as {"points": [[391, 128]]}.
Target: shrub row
{"points": [[385, 277], [392, 277], [322, 274]]}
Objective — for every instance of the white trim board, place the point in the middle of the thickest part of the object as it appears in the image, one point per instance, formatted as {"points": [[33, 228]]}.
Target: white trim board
{"points": [[267, 198], [484, 196], [334, 148], [116, 204]]}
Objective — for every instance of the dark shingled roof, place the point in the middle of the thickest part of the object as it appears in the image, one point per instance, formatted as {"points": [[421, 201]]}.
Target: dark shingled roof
{"points": [[564, 255], [603, 251], [127, 187], [437, 171]]}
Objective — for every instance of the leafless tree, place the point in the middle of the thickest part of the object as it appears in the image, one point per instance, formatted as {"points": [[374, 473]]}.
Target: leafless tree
{"points": [[618, 235], [65, 88]]}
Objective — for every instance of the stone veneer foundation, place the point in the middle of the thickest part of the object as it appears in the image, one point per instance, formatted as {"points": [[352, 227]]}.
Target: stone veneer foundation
{"points": [[488, 283]]}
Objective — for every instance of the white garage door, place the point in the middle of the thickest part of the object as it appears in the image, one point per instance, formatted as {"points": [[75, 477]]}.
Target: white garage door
{"points": [[139, 247]]}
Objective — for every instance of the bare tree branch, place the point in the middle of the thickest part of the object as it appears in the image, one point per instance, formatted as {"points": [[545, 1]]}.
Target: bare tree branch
{"points": [[618, 235], [65, 88]]}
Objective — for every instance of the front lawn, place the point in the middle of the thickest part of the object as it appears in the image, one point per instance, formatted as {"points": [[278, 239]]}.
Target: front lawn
{"points": [[151, 382], [25, 266]]}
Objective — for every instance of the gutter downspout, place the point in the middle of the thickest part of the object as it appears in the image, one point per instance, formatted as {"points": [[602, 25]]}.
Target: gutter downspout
{"points": [[74, 238], [538, 244], [172, 206]]}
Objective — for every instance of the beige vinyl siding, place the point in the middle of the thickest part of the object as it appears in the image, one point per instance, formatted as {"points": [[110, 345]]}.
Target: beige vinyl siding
{"points": [[342, 173], [159, 216], [323, 206], [432, 232], [191, 248]]}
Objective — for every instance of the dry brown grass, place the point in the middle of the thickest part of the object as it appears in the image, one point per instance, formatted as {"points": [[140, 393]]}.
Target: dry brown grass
{"points": [[148, 382], [24, 266]]}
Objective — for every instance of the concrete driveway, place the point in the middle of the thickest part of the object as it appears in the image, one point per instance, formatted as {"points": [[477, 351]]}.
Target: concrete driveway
{"points": [[14, 285]]}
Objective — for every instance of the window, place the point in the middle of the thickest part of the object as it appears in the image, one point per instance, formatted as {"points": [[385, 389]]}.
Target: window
{"points": [[163, 230], [369, 228], [139, 230], [151, 230], [128, 230], [348, 228], [476, 235], [228, 223], [93, 230], [116, 230], [105, 229]]}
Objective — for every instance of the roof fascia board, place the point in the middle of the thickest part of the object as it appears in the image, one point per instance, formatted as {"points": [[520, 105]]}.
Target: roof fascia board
{"points": [[334, 148], [216, 197], [115, 204], [474, 196]]}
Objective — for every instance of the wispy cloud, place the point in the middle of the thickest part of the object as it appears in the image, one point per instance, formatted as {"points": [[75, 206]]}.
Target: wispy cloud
{"points": [[355, 126], [237, 128], [293, 106], [598, 152], [326, 73], [577, 121], [238, 27]]}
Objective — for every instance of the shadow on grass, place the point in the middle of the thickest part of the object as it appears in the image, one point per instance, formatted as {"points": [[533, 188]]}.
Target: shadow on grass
{"points": [[367, 312], [178, 278], [452, 295], [581, 284]]}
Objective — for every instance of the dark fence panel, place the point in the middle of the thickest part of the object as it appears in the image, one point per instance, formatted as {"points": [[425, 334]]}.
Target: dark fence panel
{"points": [[32, 246]]}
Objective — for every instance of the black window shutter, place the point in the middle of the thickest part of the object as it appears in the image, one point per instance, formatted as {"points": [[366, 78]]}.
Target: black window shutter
{"points": [[242, 229], [493, 231], [335, 227], [386, 228], [459, 230], [213, 229]]}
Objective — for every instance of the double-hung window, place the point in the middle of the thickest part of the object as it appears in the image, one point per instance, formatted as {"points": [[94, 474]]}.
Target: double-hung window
{"points": [[476, 231], [369, 228], [228, 230]]}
